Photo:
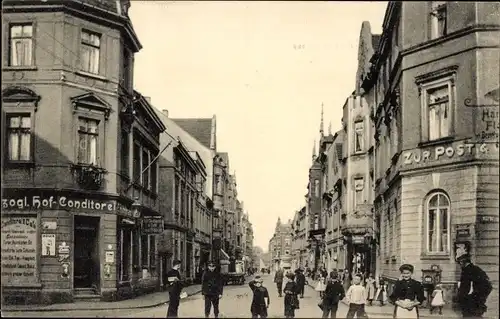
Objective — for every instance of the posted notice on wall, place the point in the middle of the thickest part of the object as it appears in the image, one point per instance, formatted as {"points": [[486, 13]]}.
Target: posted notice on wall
{"points": [[19, 250], [48, 244]]}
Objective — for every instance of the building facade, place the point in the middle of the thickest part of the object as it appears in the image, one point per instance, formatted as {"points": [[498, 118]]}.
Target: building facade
{"points": [[76, 189], [357, 209], [299, 239], [333, 199], [280, 246], [186, 175], [436, 139]]}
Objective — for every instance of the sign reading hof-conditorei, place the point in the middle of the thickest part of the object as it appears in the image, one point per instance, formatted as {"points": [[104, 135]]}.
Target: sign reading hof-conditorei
{"points": [[57, 202], [19, 250]]}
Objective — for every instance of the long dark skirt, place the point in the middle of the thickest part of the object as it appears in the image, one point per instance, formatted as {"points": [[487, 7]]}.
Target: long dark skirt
{"points": [[291, 303]]}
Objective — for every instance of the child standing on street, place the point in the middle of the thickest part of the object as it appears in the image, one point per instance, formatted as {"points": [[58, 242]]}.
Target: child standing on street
{"points": [[260, 301], [437, 299], [356, 297]]}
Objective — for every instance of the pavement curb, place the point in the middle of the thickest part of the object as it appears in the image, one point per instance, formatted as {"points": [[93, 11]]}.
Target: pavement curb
{"points": [[94, 309]]}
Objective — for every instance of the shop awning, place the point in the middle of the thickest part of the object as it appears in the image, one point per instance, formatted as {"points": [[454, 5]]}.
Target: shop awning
{"points": [[224, 255]]}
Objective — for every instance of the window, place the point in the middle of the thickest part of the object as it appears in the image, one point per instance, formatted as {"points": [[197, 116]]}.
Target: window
{"points": [[88, 135], [316, 221], [358, 136], [125, 157], [154, 173], [148, 251], [438, 221], [438, 19], [19, 137], [21, 45], [90, 51], [316, 188], [176, 195], [358, 191], [137, 162], [125, 245], [135, 248], [438, 103], [145, 170]]}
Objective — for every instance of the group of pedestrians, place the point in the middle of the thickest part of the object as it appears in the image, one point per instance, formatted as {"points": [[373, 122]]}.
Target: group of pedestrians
{"points": [[407, 294]]}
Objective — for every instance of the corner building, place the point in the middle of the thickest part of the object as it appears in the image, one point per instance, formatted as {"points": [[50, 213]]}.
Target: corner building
{"points": [[433, 86], [79, 175]]}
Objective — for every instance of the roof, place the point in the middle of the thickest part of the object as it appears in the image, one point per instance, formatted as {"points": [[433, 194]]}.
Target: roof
{"points": [[200, 129], [375, 41]]}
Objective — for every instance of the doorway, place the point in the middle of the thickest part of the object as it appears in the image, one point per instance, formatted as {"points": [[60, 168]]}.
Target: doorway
{"points": [[86, 249]]}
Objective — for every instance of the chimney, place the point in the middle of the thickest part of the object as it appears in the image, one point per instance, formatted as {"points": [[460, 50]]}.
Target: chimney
{"points": [[165, 111]]}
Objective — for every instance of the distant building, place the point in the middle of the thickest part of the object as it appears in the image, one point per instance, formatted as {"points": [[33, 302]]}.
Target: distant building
{"points": [[280, 246], [299, 239]]}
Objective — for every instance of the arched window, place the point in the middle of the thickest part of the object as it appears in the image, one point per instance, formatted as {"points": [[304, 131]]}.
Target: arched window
{"points": [[438, 223]]}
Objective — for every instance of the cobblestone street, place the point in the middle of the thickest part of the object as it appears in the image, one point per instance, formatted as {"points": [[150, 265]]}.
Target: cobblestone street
{"points": [[234, 304]]}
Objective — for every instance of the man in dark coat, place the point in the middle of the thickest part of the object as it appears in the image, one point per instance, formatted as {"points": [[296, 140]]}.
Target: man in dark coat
{"points": [[278, 279], [212, 287], [334, 293], [300, 280], [475, 287], [175, 286]]}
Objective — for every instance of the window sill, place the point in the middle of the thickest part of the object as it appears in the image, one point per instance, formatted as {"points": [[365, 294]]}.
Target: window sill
{"points": [[443, 140], [91, 75], [19, 164], [435, 257], [20, 68]]}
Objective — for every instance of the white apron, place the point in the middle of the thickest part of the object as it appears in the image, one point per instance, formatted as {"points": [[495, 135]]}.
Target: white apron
{"points": [[402, 313]]}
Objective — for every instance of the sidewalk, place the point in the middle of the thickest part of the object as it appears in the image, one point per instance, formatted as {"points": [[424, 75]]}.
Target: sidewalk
{"points": [[144, 301], [388, 310]]}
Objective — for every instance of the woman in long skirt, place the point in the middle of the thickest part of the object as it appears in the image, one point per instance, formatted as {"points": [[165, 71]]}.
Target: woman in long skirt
{"points": [[381, 294], [407, 295], [291, 299], [370, 289]]}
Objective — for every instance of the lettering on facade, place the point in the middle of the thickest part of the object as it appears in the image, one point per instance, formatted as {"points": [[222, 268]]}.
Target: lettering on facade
{"points": [[19, 250], [488, 124], [54, 202], [440, 152], [152, 225]]}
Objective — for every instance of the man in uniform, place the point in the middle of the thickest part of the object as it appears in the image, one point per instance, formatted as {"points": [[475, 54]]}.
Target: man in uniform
{"points": [[175, 286], [278, 279], [212, 286]]}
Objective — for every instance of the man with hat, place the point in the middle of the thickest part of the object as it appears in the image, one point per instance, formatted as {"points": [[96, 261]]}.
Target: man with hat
{"points": [[278, 279], [175, 285], [212, 287], [300, 280], [474, 288]]}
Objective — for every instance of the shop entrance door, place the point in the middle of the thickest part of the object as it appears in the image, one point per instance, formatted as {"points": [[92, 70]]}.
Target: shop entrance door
{"points": [[86, 263]]}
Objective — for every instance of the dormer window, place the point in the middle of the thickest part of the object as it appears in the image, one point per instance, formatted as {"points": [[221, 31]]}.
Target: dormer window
{"points": [[438, 19]]}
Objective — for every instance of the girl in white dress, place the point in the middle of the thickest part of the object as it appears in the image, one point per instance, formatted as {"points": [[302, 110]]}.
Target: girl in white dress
{"points": [[320, 286], [437, 302]]}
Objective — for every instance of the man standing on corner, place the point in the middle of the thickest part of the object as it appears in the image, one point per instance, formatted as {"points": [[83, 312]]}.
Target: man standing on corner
{"points": [[212, 286], [175, 286], [474, 289], [278, 279]]}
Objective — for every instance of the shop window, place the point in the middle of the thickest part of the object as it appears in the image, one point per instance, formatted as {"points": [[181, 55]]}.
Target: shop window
{"points": [[148, 251], [438, 223], [125, 256], [135, 249]]}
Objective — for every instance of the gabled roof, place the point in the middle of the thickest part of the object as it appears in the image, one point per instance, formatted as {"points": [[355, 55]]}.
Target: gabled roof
{"points": [[200, 129]]}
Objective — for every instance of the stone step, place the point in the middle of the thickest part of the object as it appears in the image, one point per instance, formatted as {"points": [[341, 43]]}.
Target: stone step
{"points": [[88, 298]]}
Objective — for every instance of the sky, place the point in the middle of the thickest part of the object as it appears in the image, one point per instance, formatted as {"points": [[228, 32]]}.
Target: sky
{"points": [[264, 69]]}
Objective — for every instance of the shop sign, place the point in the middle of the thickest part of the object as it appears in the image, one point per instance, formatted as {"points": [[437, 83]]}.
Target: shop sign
{"points": [[440, 152], [485, 219], [19, 250], [110, 257], [358, 239], [63, 248], [152, 225], [56, 202]]}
